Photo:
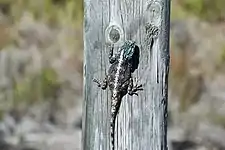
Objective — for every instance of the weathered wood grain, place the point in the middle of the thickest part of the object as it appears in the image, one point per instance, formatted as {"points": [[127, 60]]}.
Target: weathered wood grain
{"points": [[141, 123]]}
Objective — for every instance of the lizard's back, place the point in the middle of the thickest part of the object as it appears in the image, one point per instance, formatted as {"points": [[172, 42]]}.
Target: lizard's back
{"points": [[118, 75]]}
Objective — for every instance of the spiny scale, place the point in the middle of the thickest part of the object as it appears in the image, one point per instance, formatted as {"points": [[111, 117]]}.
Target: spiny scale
{"points": [[119, 80]]}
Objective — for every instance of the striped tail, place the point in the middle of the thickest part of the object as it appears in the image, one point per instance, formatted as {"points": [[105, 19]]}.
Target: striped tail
{"points": [[112, 131], [115, 105]]}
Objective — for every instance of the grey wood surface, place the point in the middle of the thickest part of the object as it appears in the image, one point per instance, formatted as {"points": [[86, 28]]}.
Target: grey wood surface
{"points": [[141, 123]]}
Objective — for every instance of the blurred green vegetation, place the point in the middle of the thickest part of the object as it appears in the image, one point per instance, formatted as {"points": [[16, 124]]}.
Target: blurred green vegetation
{"points": [[186, 86], [222, 57], [36, 88], [216, 118], [45, 85], [5, 36], [51, 11], [209, 10]]}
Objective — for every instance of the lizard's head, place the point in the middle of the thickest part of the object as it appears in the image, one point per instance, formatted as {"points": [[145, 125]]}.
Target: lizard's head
{"points": [[128, 49]]}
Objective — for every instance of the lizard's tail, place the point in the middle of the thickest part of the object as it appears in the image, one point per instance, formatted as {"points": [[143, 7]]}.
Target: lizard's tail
{"points": [[115, 105], [112, 131]]}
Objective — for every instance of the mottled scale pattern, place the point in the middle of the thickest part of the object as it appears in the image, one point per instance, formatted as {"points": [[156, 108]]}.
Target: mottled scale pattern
{"points": [[119, 80]]}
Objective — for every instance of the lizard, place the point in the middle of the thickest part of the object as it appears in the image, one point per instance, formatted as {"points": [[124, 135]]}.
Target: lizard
{"points": [[119, 80]]}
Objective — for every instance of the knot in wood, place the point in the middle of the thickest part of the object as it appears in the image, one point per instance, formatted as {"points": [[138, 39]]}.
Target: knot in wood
{"points": [[114, 33], [155, 10]]}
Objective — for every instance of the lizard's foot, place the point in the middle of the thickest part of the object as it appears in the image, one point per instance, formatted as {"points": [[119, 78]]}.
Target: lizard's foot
{"points": [[103, 85], [98, 82], [132, 90]]}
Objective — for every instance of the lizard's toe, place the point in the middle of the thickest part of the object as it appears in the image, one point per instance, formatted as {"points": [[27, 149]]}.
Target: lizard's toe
{"points": [[96, 81]]}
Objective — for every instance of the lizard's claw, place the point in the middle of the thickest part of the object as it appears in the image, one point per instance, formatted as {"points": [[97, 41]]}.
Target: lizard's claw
{"points": [[98, 82], [138, 87], [103, 85], [135, 89]]}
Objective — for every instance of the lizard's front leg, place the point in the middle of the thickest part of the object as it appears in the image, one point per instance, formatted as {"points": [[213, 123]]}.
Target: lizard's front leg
{"points": [[102, 84], [112, 58], [132, 89]]}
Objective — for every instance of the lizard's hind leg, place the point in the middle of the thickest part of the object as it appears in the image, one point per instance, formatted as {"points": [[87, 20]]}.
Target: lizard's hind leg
{"points": [[104, 83], [132, 89]]}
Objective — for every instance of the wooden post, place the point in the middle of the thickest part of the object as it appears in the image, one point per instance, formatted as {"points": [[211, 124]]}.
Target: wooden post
{"points": [[142, 120]]}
